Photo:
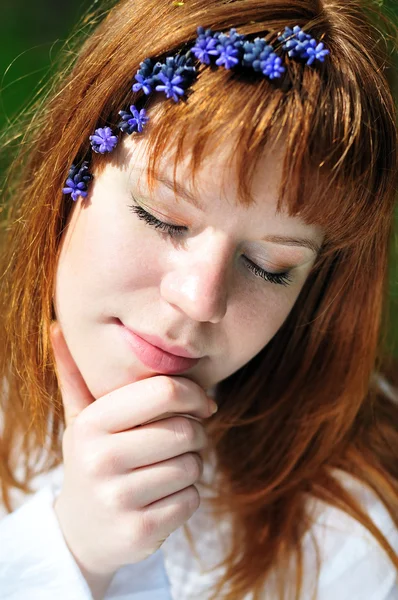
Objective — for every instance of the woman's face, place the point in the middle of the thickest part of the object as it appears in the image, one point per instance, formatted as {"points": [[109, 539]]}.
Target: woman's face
{"points": [[196, 290]]}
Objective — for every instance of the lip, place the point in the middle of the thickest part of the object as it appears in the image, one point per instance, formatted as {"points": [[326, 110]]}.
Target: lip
{"points": [[154, 357], [158, 342]]}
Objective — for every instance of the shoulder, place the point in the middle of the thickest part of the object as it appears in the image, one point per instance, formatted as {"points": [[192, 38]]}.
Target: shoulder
{"points": [[351, 561]]}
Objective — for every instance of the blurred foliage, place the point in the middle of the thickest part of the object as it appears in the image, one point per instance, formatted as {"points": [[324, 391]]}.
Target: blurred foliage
{"points": [[31, 35]]}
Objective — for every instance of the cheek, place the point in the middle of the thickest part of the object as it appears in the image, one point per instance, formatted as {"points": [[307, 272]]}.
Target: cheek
{"points": [[104, 254], [260, 315]]}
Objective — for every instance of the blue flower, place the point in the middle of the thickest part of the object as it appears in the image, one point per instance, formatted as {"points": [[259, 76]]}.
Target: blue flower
{"points": [[296, 31], [316, 52], [77, 182], [144, 77], [103, 140], [256, 54], [301, 45], [273, 67], [205, 45], [230, 48], [133, 120]]}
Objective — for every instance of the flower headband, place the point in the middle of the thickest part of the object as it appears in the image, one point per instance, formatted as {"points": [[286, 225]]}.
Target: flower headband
{"points": [[177, 73]]}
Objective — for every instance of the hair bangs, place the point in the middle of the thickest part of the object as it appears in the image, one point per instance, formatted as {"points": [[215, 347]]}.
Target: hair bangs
{"points": [[333, 151]]}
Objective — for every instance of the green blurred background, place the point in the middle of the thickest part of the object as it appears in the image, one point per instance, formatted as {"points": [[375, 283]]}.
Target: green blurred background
{"points": [[31, 35]]}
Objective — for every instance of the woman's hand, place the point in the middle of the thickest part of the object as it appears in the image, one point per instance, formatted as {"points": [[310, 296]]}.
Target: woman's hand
{"points": [[131, 460]]}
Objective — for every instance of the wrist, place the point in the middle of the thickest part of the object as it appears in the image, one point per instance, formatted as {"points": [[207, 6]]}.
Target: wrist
{"points": [[97, 582], [97, 579]]}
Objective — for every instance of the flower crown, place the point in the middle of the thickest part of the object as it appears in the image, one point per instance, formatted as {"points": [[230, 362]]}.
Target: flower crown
{"points": [[177, 73]]}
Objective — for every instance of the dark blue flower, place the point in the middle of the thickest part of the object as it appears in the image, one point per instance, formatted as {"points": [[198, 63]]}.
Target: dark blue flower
{"points": [[230, 48], [183, 66], [289, 33], [145, 77], [256, 53], [296, 42], [103, 140], [133, 120], [205, 45], [77, 182]]}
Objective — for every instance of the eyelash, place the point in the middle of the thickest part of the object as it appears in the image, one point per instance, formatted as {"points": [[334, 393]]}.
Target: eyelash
{"points": [[176, 231]]}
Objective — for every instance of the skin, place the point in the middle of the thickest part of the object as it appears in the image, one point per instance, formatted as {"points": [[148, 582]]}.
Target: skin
{"points": [[132, 456], [195, 290]]}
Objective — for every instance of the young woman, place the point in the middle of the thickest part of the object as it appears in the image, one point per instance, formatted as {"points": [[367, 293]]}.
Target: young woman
{"points": [[201, 210]]}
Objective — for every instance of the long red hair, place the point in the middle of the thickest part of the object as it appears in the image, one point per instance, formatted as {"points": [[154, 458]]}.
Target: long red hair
{"points": [[308, 402]]}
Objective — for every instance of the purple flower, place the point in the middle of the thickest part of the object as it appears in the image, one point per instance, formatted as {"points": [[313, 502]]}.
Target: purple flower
{"points": [[229, 57], [175, 76], [230, 48], [171, 86], [205, 45], [103, 140], [133, 120], [77, 182], [144, 77], [144, 83]]}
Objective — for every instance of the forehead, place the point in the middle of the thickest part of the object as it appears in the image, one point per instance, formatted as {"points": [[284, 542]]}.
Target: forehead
{"points": [[214, 191], [216, 178]]}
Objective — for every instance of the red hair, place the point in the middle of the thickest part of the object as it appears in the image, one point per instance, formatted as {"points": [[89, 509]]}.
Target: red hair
{"points": [[307, 402]]}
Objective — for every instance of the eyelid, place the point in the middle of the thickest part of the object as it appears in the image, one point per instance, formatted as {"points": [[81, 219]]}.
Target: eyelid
{"points": [[281, 271], [169, 220], [278, 266]]}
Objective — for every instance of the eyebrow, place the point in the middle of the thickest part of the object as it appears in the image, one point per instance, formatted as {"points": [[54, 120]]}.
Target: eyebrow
{"points": [[186, 195], [290, 241], [180, 190]]}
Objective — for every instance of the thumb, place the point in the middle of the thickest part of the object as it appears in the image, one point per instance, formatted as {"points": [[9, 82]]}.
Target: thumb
{"points": [[75, 394]]}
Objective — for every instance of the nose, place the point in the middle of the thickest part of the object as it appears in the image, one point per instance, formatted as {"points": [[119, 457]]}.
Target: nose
{"points": [[199, 281]]}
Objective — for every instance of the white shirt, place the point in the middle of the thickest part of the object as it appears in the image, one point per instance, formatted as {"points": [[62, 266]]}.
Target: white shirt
{"points": [[35, 563]]}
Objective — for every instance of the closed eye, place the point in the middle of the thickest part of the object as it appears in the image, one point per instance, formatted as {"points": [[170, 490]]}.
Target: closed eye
{"points": [[176, 231]]}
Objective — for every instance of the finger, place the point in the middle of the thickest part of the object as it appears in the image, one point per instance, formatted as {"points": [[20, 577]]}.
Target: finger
{"points": [[168, 415], [154, 443], [151, 399], [167, 514], [75, 394], [162, 479]]}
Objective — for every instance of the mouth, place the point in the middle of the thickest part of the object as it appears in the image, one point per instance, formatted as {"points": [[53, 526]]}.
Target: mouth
{"points": [[168, 348], [154, 357]]}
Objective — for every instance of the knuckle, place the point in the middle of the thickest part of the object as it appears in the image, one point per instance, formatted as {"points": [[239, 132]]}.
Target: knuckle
{"points": [[192, 499], [115, 497], [148, 525], [192, 464], [184, 430], [96, 459], [106, 461], [170, 389], [91, 462], [82, 426]]}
